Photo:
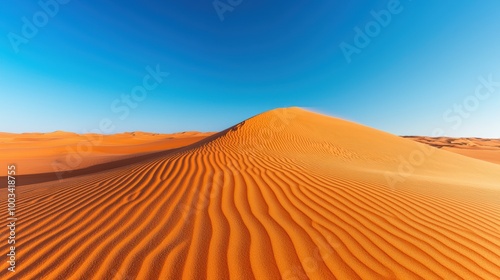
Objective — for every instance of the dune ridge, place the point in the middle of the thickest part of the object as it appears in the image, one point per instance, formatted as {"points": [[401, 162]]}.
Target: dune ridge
{"points": [[288, 194]]}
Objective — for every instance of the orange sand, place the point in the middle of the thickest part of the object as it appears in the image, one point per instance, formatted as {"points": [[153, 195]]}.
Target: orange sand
{"points": [[484, 149], [40, 152], [288, 194]]}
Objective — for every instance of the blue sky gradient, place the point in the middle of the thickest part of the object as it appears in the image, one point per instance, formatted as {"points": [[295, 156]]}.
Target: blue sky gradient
{"points": [[407, 80]]}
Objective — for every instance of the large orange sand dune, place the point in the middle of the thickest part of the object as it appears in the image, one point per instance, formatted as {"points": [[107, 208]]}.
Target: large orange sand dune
{"points": [[288, 194]]}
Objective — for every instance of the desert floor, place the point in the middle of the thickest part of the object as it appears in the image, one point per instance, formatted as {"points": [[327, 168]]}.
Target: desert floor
{"points": [[483, 149], [287, 194]]}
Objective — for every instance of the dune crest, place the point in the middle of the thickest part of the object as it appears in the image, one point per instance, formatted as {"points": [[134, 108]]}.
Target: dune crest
{"points": [[287, 194]]}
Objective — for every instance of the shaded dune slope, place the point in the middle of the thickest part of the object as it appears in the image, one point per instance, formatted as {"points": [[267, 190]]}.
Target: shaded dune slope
{"points": [[288, 194]]}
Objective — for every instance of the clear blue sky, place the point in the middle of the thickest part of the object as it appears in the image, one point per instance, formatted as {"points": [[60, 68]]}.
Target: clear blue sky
{"points": [[258, 55]]}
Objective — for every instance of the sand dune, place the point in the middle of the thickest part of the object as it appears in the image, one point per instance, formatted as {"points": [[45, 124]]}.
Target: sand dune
{"points": [[40, 153], [287, 194], [483, 149]]}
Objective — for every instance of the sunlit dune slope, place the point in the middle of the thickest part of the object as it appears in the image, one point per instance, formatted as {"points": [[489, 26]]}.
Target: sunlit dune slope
{"points": [[288, 194]]}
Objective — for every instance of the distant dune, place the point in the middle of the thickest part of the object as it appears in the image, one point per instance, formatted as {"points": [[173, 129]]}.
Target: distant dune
{"points": [[39, 153], [287, 194], [484, 149]]}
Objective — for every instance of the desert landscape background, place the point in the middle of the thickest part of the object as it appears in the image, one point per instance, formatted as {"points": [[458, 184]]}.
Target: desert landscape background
{"points": [[160, 140], [287, 194]]}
